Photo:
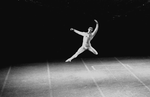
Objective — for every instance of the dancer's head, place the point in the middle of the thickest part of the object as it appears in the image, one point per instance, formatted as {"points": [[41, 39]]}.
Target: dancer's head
{"points": [[90, 29]]}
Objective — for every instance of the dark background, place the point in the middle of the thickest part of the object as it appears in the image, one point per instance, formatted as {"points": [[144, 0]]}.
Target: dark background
{"points": [[39, 30]]}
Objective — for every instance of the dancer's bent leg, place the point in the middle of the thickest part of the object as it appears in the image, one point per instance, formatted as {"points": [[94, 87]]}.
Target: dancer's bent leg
{"points": [[93, 50], [80, 50]]}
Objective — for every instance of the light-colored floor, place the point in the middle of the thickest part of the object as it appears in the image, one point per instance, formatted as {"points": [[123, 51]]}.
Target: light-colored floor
{"points": [[85, 79]]}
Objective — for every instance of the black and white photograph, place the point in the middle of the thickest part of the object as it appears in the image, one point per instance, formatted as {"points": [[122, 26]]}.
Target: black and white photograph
{"points": [[75, 48]]}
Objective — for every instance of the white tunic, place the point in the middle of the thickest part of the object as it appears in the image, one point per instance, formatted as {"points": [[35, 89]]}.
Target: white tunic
{"points": [[87, 40]]}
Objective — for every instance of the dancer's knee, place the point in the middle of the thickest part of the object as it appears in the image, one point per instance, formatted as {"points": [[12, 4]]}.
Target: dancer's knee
{"points": [[96, 53]]}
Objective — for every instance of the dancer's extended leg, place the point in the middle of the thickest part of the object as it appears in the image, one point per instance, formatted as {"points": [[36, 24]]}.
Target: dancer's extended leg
{"points": [[93, 50], [80, 50]]}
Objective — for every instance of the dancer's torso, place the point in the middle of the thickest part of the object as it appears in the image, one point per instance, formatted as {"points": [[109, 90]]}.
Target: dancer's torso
{"points": [[86, 40]]}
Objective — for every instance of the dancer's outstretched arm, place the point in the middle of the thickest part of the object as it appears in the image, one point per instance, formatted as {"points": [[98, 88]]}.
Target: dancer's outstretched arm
{"points": [[78, 32], [96, 28]]}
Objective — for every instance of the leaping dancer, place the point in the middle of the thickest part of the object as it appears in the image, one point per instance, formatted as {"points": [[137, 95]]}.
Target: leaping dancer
{"points": [[86, 45]]}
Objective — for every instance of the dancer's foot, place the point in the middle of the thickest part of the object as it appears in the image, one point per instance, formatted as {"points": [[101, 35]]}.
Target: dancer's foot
{"points": [[69, 60]]}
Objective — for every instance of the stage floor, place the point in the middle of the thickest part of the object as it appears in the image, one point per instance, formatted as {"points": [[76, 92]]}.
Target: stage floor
{"points": [[81, 79]]}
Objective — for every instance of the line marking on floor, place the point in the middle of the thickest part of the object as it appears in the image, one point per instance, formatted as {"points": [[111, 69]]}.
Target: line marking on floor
{"points": [[114, 77], [93, 67], [93, 79], [133, 74], [6, 78], [49, 79], [129, 66]]}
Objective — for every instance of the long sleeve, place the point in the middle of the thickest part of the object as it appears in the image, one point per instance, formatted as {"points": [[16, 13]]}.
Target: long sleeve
{"points": [[96, 29], [79, 32]]}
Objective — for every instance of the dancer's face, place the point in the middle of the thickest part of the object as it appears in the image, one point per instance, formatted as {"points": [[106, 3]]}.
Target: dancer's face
{"points": [[90, 29]]}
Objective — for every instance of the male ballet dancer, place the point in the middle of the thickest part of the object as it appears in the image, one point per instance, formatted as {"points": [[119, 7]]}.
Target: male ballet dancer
{"points": [[86, 45]]}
